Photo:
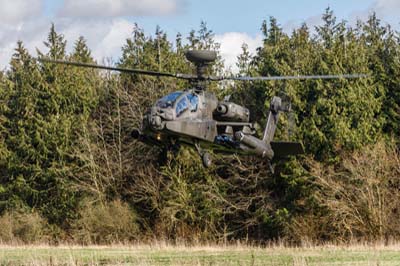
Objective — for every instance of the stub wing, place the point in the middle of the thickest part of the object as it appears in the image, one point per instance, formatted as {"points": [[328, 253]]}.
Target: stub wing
{"points": [[283, 149], [204, 130]]}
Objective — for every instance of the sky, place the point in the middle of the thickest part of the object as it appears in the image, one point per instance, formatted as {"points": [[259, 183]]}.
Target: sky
{"points": [[106, 24]]}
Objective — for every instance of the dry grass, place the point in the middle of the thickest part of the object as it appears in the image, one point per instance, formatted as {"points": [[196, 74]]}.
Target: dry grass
{"points": [[164, 254]]}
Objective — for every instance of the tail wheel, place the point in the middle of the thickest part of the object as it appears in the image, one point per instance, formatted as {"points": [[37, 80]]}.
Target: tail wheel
{"points": [[206, 158]]}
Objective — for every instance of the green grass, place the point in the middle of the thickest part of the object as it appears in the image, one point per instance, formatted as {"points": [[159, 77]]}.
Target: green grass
{"points": [[202, 255]]}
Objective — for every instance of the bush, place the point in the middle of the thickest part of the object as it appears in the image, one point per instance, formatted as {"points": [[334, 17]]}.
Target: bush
{"points": [[112, 222], [356, 199], [23, 227], [6, 234]]}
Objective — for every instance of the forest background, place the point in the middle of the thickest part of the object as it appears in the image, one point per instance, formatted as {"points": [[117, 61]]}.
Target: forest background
{"points": [[71, 172]]}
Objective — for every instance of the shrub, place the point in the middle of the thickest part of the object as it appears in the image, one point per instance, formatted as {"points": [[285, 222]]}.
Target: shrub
{"points": [[112, 222], [357, 199], [23, 227], [6, 234]]}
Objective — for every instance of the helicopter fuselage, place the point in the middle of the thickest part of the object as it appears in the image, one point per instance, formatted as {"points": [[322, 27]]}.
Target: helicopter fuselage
{"points": [[197, 118]]}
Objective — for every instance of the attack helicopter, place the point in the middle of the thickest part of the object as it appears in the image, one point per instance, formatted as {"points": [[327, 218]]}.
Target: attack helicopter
{"points": [[195, 116]]}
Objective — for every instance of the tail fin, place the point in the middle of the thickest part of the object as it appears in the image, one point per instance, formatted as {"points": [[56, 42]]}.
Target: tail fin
{"points": [[281, 149], [273, 116]]}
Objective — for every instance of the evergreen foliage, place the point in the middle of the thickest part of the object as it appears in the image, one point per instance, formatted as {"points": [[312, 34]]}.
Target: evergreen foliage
{"points": [[45, 112]]}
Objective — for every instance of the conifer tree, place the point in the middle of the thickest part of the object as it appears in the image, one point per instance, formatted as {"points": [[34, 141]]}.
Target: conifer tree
{"points": [[5, 88], [56, 44], [45, 115], [243, 61], [383, 61]]}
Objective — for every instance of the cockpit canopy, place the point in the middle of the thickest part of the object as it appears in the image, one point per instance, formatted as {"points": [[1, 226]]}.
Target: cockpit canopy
{"points": [[168, 100], [179, 100]]}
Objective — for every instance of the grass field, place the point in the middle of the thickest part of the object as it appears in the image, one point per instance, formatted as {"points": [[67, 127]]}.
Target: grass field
{"points": [[204, 255]]}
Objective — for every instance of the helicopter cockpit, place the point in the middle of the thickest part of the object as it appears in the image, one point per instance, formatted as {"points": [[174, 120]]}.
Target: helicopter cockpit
{"points": [[181, 101], [168, 100], [188, 101]]}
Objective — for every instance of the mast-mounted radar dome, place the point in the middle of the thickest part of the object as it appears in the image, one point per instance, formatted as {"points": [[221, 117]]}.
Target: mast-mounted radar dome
{"points": [[201, 57]]}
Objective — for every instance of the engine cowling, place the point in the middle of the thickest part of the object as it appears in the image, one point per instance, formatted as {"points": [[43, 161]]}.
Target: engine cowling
{"points": [[228, 111], [255, 145]]}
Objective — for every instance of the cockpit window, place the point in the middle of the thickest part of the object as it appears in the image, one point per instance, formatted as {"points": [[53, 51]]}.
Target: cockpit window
{"points": [[182, 106], [194, 101], [168, 100]]}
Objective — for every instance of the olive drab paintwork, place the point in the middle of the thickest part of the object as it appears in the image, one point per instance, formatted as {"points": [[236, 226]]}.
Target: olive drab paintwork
{"points": [[196, 117]]}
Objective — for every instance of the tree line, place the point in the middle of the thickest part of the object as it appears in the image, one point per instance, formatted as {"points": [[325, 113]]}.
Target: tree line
{"points": [[70, 171]]}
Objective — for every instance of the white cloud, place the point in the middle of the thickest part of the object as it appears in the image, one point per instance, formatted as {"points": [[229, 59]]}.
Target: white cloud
{"points": [[6, 51], [311, 23], [387, 7], [114, 39], [104, 37], [386, 10], [24, 20], [16, 11], [114, 8], [32, 33], [231, 46]]}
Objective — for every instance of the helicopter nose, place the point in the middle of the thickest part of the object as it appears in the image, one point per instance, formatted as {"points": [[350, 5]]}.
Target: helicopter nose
{"points": [[154, 119], [156, 122]]}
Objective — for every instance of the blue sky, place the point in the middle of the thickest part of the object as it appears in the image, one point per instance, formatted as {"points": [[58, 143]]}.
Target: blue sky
{"points": [[239, 16], [246, 16], [107, 23]]}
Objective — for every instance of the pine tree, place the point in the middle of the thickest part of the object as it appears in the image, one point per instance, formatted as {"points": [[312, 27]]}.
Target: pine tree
{"points": [[56, 44], [243, 61], [5, 88], [383, 61], [22, 138], [81, 51], [46, 111]]}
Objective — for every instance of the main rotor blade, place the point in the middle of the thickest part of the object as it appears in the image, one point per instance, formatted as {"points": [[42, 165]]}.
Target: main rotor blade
{"points": [[194, 77], [120, 69], [342, 76]]}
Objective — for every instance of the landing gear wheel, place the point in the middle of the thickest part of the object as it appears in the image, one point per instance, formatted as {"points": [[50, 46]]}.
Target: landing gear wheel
{"points": [[206, 158]]}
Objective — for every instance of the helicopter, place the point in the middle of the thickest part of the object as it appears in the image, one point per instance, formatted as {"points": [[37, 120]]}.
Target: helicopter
{"points": [[196, 117]]}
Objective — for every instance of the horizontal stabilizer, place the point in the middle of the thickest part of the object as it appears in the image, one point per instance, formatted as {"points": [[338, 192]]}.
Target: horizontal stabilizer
{"points": [[283, 149]]}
